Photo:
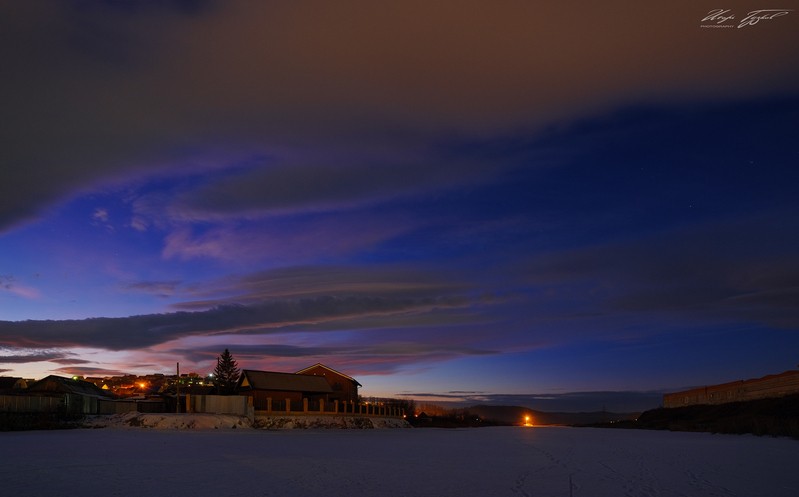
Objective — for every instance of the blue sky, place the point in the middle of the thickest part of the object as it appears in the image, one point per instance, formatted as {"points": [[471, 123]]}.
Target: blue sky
{"points": [[517, 203]]}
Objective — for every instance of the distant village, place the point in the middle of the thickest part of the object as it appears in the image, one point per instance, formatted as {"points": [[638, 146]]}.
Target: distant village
{"points": [[318, 389], [129, 385]]}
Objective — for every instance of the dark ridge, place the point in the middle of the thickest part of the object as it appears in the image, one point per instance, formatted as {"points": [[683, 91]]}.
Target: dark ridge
{"points": [[777, 417]]}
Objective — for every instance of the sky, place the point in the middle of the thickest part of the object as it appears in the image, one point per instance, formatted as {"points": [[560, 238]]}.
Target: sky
{"points": [[546, 204]]}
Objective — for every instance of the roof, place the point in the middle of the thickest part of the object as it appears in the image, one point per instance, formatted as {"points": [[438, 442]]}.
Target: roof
{"points": [[59, 384], [286, 382], [320, 365], [11, 382]]}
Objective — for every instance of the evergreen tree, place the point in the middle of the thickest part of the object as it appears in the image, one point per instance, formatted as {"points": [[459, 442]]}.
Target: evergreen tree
{"points": [[226, 373]]}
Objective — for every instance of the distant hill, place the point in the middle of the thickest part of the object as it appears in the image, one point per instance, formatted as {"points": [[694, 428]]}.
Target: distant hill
{"points": [[774, 417], [514, 415]]}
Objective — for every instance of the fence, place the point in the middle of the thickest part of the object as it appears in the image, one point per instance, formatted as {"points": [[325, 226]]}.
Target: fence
{"points": [[65, 403], [123, 406], [219, 404], [30, 403], [76, 404], [320, 407]]}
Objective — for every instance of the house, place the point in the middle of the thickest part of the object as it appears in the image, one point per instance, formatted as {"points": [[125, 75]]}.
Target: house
{"points": [[280, 387], [345, 388], [78, 396]]}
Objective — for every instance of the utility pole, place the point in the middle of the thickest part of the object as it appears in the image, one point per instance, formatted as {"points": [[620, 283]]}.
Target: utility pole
{"points": [[177, 389]]}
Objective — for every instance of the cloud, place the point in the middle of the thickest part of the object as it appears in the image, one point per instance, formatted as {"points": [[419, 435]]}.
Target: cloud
{"points": [[100, 215], [147, 330], [39, 356], [391, 306], [376, 320], [89, 371], [162, 289], [300, 185], [112, 103], [358, 356], [71, 361], [102, 219], [384, 281], [139, 224], [740, 271], [286, 242], [9, 283]]}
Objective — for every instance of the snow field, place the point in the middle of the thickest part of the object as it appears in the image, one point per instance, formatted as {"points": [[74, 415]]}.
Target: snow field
{"points": [[411, 462]]}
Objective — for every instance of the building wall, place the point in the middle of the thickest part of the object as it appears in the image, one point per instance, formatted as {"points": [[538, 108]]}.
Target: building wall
{"points": [[777, 385], [344, 389]]}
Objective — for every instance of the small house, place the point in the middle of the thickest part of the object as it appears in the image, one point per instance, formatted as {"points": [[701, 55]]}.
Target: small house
{"points": [[280, 387], [79, 397], [345, 388]]}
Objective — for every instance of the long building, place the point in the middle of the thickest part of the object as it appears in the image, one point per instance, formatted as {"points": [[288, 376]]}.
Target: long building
{"points": [[775, 385]]}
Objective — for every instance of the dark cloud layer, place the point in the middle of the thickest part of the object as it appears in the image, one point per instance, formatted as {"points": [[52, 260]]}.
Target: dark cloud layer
{"points": [[98, 93], [137, 332], [326, 185]]}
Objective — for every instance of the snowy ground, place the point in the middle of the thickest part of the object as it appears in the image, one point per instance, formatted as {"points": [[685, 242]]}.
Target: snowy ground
{"points": [[413, 462]]}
